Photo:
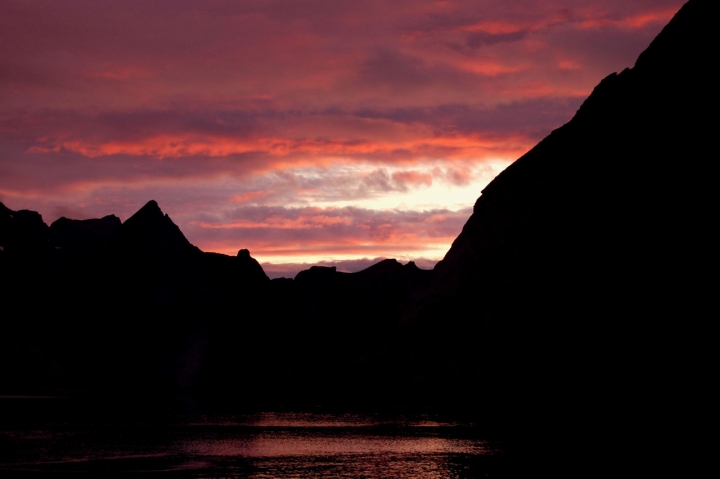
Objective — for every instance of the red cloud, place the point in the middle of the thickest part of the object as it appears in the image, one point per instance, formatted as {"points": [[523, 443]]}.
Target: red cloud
{"points": [[250, 195], [636, 21], [317, 150], [291, 231]]}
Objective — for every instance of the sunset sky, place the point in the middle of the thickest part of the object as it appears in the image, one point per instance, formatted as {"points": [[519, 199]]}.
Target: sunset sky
{"points": [[323, 131]]}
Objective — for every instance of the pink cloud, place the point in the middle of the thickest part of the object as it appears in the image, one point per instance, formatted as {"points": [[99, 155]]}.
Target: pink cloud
{"points": [[290, 231], [249, 196], [412, 177]]}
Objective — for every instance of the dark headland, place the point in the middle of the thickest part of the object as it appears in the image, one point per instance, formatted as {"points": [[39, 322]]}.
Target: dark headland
{"points": [[578, 296]]}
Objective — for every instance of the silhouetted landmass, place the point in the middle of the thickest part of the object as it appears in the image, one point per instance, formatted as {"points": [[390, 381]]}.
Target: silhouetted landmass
{"points": [[22, 233], [577, 289], [577, 284], [333, 324], [83, 236], [134, 306]]}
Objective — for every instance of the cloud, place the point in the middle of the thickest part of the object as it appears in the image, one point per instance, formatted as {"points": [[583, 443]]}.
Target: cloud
{"points": [[378, 134], [395, 70], [281, 231], [480, 39], [458, 176], [412, 177], [250, 196], [529, 117]]}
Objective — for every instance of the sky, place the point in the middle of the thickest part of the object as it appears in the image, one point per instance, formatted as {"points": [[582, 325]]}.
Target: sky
{"points": [[309, 132]]}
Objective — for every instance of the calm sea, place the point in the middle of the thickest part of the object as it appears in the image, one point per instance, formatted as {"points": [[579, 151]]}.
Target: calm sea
{"points": [[51, 437]]}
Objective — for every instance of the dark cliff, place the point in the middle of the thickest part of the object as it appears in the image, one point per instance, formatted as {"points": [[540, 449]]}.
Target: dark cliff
{"points": [[580, 271]]}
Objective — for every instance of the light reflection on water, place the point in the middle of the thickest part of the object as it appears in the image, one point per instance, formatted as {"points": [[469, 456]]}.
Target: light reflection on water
{"points": [[267, 445], [295, 444]]}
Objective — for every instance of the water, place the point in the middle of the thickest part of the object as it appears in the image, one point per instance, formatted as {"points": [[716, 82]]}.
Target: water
{"points": [[39, 441]]}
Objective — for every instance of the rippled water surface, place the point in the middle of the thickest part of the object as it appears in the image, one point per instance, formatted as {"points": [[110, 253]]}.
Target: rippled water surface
{"points": [[35, 443]]}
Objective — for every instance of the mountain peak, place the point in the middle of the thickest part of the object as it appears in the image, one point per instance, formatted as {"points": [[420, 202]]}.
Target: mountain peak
{"points": [[250, 267], [22, 230], [150, 231], [317, 274], [386, 266], [149, 210], [682, 43]]}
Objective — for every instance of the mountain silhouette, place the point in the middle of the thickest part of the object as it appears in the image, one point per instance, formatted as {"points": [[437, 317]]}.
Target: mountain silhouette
{"points": [[150, 232], [135, 306], [82, 236], [578, 272], [130, 304], [22, 232]]}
